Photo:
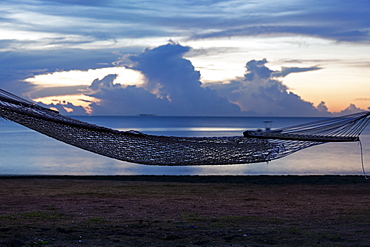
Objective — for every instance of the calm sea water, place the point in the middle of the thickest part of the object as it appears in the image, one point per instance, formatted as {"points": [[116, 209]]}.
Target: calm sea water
{"points": [[26, 152]]}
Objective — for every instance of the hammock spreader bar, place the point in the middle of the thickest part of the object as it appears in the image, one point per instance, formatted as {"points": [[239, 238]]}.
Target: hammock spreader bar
{"points": [[340, 129], [137, 147]]}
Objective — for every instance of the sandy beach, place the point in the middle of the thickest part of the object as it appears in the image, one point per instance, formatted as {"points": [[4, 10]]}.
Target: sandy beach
{"points": [[184, 211]]}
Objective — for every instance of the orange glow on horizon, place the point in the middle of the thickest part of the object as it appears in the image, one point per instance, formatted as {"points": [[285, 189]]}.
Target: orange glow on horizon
{"points": [[77, 100]]}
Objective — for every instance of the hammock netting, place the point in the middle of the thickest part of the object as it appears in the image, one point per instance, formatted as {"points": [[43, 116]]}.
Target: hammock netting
{"points": [[137, 147]]}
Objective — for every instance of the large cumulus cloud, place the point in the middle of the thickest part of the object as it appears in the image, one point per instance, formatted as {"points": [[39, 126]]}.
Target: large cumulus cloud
{"points": [[260, 91], [172, 87]]}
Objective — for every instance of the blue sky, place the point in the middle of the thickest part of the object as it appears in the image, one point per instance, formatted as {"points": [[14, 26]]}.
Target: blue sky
{"points": [[237, 57]]}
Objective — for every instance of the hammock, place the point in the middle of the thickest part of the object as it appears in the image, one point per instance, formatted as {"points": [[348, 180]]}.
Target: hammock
{"points": [[137, 147]]}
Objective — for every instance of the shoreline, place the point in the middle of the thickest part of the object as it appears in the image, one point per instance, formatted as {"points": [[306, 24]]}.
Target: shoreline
{"points": [[244, 179]]}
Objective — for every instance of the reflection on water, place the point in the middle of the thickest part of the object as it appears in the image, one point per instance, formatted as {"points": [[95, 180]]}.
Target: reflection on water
{"points": [[23, 151], [186, 129]]}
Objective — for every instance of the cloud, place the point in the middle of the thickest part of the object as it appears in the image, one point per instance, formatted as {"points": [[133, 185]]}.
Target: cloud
{"points": [[288, 70], [362, 99], [172, 87], [65, 24], [41, 92], [69, 23], [349, 110], [66, 108], [131, 100], [267, 30], [322, 107], [16, 66], [260, 91], [329, 20], [53, 60], [82, 2]]}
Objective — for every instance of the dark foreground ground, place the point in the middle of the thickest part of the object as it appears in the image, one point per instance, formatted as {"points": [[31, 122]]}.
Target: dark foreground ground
{"points": [[185, 211]]}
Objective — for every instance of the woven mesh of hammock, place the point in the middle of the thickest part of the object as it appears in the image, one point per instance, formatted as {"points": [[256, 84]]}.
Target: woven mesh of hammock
{"points": [[134, 146]]}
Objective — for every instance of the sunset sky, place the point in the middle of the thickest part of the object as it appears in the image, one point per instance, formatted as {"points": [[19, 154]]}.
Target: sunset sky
{"points": [[185, 57]]}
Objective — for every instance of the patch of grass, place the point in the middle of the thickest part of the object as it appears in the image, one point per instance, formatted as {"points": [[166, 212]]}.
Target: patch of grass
{"points": [[33, 215], [38, 243], [225, 221], [250, 199], [293, 230], [41, 215], [188, 216], [252, 218], [7, 217], [95, 219], [332, 237]]}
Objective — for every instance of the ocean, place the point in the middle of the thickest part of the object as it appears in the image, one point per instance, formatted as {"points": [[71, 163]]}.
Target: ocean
{"points": [[26, 152]]}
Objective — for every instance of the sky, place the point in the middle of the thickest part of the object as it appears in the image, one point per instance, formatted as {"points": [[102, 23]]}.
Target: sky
{"points": [[188, 58]]}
